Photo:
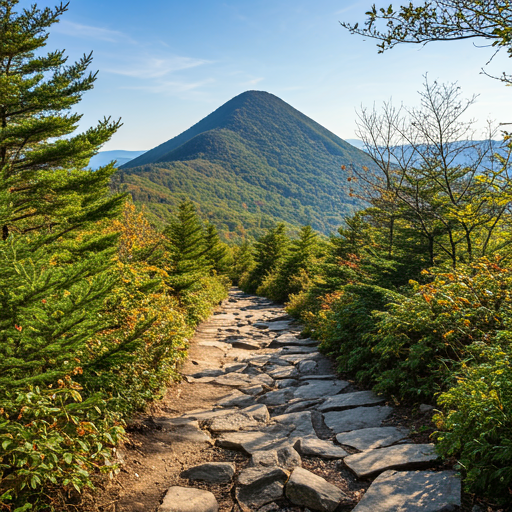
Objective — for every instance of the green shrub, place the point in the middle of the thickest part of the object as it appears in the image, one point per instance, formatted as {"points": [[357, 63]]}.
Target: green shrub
{"points": [[476, 422], [422, 339], [50, 439]]}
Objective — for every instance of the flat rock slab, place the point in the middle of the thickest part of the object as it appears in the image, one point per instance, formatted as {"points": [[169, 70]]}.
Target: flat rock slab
{"points": [[239, 380], [318, 377], [245, 345], [297, 358], [209, 372], [401, 456], [298, 350], [279, 326], [216, 344], [280, 397], [309, 490], [260, 360], [253, 390], [290, 339], [188, 499], [236, 399], [235, 367], [267, 438], [299, 405], [311, 389], [284, 372], [315, 447], [371, 438], [232, 423], [349, 400], [258, 412], [208, 414], [354, 419], [301, 422], [258, 486], [183, 430], [215, 472], [287, 383], [412, 491]]}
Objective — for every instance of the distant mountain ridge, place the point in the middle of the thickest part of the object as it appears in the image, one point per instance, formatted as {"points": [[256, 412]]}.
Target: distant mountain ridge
{"points": [[252, 162], [105, 157]]}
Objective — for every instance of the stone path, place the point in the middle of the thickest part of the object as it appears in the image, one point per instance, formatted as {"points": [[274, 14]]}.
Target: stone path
{"points": [[283, 402]]}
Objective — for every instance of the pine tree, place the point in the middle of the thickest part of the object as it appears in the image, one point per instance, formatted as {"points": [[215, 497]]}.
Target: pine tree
{"points": [[216, 252], [269, 251], [43, 185], [187, 247]]}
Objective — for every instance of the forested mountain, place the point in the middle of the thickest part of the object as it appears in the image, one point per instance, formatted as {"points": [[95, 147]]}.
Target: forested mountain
{"points": [[254, 161]]}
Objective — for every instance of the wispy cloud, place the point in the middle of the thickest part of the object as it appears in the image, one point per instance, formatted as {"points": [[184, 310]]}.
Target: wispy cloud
{"points": [[70, 28], [254, 81], [153, 67], [348, 8], [171, 87]]}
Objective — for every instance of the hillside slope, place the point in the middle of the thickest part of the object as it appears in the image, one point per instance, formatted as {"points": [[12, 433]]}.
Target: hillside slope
{"points": [[254, 161]]}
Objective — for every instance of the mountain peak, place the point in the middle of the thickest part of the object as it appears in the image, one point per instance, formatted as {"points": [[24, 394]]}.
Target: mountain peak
{"points": [[253, 161]]}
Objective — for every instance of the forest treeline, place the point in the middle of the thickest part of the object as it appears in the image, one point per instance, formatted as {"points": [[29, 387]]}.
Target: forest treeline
{"points": [[412, 295]]}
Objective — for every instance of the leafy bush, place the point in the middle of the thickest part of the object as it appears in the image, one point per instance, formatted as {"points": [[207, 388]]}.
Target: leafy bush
{"points": [[51, 439], [422, 339], [476, 425]]}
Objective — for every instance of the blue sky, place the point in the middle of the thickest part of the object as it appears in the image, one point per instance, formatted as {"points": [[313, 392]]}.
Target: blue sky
{"points": [[165, 64]]}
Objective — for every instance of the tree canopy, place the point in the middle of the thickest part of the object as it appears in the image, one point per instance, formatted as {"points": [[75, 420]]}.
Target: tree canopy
{"points": [[440, 20]]}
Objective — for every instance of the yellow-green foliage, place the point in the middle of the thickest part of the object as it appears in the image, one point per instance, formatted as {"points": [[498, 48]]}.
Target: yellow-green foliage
{"points": [[476, 422], [126, 346]]}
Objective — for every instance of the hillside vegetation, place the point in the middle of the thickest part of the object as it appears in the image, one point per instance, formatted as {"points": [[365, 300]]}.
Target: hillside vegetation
{"points": [[253, 162]]}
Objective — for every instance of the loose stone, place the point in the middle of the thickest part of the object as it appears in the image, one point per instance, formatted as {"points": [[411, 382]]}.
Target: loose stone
{"points": [[320, 448], [188, 499], [309, 490], [285, 457], [260, 485], [215, 472], [307, 366]]}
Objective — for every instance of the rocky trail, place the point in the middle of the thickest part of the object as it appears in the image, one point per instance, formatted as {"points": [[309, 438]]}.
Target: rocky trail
{"points": [[262, 423]]}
